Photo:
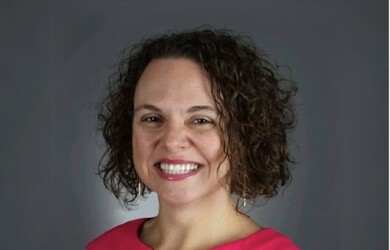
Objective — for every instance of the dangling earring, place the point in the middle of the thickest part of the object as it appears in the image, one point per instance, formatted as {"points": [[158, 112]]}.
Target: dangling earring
{"points": [[243, 200], [244, 195], [139, 189]]}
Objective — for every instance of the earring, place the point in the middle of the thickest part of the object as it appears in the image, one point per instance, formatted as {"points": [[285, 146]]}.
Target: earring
{"points": [[243, 196], [139, 189]]}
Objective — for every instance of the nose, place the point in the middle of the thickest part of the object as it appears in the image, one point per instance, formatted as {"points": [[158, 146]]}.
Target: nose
{"points": [[175, 138]]}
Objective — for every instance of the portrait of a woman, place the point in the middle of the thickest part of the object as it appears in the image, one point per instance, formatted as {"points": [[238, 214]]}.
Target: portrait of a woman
{"points": [[201, 118], [183, 125]]}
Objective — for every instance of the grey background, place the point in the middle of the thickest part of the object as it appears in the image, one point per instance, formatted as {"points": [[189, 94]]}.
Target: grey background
{"points": [[56, 56]]}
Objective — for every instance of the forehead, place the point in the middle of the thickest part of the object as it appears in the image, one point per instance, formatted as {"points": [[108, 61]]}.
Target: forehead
{"points": [[179, 79]]}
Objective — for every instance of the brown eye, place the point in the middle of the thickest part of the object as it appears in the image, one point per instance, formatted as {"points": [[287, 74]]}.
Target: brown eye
{"points": [[203, 121], [151, 119]]}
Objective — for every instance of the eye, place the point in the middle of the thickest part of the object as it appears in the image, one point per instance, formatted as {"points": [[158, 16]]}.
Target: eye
{"points": [[203, 121], [151, 119]]}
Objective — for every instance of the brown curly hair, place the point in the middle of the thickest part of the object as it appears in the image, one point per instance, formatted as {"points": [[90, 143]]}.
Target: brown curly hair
{"points": [[253, 100]]}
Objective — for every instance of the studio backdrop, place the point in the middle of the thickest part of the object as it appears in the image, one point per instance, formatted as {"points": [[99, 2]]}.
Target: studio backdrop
{"points": [[55, 61]]}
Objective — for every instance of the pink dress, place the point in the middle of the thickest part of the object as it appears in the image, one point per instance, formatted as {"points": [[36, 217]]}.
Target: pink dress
{"points": [[125, 237]]}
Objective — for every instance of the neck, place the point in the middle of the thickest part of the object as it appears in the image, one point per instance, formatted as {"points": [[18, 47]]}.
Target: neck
{"points": [[206, 223], [213, 207]]}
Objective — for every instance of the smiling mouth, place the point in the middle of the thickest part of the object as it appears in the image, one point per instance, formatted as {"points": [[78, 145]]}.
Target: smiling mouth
{"points": [[177, 169]]}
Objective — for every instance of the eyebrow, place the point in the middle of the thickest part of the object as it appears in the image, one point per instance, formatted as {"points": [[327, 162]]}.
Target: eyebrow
{"points": [[147, 106], [190, 110], [201, 108]]}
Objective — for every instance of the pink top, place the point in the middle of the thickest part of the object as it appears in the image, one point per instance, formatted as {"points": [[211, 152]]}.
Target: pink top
{"points": [[125, 237]]}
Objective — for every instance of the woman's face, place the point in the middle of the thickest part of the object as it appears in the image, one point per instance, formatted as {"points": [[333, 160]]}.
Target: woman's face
{"points": [[177, 142]]}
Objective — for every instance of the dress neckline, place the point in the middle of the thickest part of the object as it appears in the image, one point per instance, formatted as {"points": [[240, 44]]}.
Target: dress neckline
{"points": [[263, 230]]}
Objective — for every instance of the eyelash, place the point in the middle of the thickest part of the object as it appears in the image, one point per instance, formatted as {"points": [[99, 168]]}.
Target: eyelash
{"points": [[151, 119], [196, 121], [202, 120]]}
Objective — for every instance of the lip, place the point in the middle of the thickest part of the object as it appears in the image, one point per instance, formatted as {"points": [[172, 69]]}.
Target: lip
{"points": [[178, 161], [177, 177]]}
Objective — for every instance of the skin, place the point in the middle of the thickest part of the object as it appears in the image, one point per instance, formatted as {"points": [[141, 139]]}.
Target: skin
{"points": [[175, 119]]}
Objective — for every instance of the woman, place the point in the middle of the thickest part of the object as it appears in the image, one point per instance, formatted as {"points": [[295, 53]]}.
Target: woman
{"points": [[200, 118]]}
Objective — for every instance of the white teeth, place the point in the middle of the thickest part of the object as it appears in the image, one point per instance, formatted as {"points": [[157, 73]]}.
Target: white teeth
{"points": [[178, 168]]}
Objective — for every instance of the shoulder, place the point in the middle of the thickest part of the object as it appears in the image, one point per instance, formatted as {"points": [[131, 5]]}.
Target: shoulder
{"points": [[118, 236], [271, 239], [264, 239]]}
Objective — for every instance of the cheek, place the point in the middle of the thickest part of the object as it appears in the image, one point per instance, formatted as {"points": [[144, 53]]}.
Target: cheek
{"points": [[218, 161], [141, 147], [214, 152], [212, 148], [140, 138]]}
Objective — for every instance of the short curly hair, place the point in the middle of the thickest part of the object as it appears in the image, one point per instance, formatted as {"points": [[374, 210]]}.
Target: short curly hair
{"points": [[253, 99]]}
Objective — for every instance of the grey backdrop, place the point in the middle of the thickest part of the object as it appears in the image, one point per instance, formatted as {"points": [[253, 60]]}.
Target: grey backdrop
{"points": [[55, 58]]}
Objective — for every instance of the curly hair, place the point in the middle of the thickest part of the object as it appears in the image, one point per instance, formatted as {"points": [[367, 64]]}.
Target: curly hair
{"points": [[253, 99]]}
